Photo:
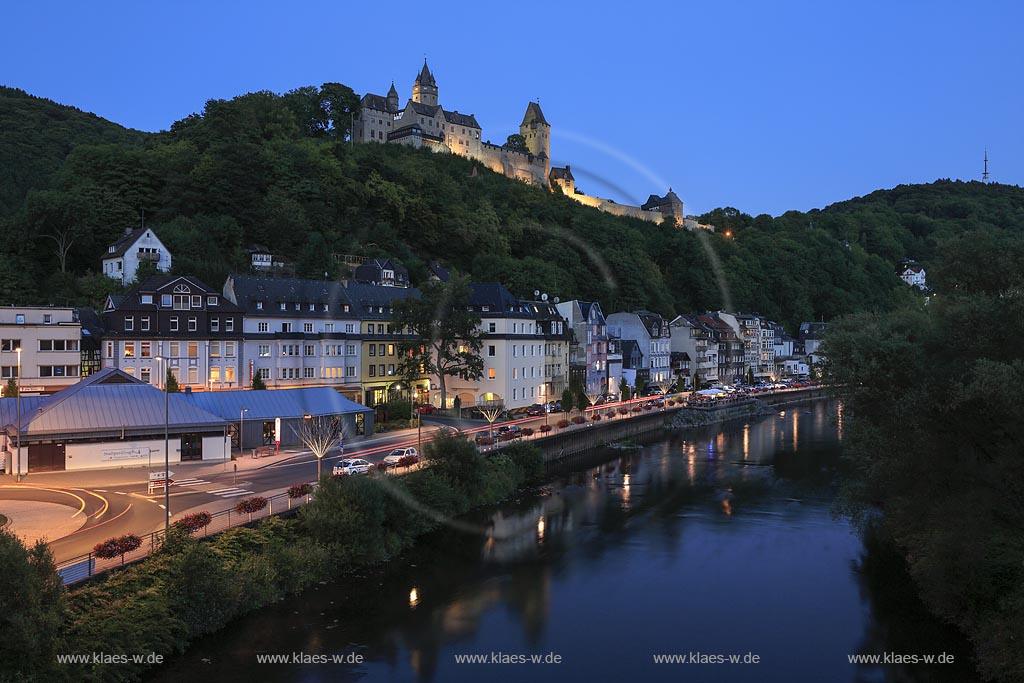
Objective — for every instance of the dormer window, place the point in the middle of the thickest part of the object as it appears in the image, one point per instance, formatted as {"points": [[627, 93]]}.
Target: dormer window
{"points": [[312, 307], [259, 305], [165, 300], [211, 301], [146, 299], [284, 306]]}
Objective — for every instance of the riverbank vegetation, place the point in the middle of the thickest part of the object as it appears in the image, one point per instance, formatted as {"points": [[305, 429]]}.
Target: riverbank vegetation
{"points": [[933, 400], [193, 588]]}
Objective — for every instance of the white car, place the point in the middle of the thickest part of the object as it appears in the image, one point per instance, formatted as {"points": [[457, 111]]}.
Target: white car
{"points": [[352, 466], [394, 457]]}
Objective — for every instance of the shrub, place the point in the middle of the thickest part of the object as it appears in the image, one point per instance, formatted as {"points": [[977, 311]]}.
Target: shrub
{"points": [[456, 459], [485, 441], [251, 505], [562, 424], [623, 410], [300, 490], [648, 407], [33, 613], [528, 459], [596, 417], [544, 429], [201, 591], [194, 522], [408, 461], [579, 419], [528, 431], [113, 547]]}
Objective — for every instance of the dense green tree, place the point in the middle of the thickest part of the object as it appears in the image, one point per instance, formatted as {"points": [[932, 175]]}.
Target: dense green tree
{"points": [[568, 400], [31, 610], [448, 337], [171, 383], [257, 383], [517, 142], [11, 388]]}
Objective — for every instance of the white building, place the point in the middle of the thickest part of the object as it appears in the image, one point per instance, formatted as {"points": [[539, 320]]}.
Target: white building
{"points": [[652, 334], [298, 333], [50, 343], [914, 275], [525, 351], [135, 247]]}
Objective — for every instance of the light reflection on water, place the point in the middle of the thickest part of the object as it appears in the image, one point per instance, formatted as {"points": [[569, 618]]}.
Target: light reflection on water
{"points": [[719, 540]]}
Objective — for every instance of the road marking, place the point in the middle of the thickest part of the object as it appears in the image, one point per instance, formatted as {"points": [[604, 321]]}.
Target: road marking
{"points": [[190, 481], [162, 506], [231, 492]]}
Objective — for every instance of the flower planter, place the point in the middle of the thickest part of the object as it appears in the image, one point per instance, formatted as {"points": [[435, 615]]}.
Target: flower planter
{"points": [[544, 429], [562, 424], [194, 522], [113, 547]]}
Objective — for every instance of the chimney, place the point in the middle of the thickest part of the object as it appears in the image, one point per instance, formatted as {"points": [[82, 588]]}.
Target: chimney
{"points": [[127, 231], [188, 389]]}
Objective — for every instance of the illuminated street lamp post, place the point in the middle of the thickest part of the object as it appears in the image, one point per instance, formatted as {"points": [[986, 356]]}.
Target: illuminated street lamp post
{"points": [[18, 383], [167, 453]]}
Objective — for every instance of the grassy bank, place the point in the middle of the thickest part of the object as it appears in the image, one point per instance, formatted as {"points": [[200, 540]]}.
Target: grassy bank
{"points": [[193, 588]]}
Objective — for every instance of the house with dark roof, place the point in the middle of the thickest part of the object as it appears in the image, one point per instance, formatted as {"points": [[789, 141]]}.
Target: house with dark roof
{"points": [[588, 354], [174, 322], [132, 249], [297, 333], [913, 273], [651, 331], [383, 272], [525, 351], [438, 273], [670, 206]]}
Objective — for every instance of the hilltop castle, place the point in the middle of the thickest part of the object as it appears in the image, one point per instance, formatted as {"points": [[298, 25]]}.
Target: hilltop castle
{"points": [[423, 122]]}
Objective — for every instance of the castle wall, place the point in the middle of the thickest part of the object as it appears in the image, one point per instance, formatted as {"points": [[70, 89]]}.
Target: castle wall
{"points": [[615, 209]]}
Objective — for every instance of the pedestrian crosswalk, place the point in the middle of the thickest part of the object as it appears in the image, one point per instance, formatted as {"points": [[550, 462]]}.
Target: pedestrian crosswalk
{"points": [[190, 481], [231, 492]]}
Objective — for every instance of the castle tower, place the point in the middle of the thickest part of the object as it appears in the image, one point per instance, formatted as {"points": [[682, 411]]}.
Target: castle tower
{"points": [[424, 90], [536, 130], [393, 99]]}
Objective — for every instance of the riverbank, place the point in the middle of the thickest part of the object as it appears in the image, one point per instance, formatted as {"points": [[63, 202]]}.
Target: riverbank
{"points": [[191, 589]]}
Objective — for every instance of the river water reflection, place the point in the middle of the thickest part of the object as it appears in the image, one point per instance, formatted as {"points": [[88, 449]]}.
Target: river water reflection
{"points": [[712, 543]]}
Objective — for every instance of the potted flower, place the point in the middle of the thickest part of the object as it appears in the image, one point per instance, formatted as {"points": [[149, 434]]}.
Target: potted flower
{"points": [[193, 522], [120, 545], [544, 429], [562, 424], [251, 505]]}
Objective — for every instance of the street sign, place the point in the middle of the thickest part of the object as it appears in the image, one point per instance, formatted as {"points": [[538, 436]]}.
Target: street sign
{"points": [[159, 476]]}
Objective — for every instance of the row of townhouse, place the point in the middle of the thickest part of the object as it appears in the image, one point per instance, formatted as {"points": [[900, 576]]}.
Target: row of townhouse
{"points": [[295, 333]]}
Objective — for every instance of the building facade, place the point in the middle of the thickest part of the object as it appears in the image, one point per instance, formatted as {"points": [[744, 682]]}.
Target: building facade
{"points": [[588, 353], [49, 340], [297, 333], [175, 322], [136, 247], [651, 332]]}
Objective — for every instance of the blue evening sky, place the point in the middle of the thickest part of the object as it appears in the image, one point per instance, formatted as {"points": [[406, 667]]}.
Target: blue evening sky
{"points": [[765, 106]]}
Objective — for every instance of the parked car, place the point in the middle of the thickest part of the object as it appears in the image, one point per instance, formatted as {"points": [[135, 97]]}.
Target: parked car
{"points": [[536, 410], [555, 407], [352, 466], [400, 456], [513, 430], [427, 409]]}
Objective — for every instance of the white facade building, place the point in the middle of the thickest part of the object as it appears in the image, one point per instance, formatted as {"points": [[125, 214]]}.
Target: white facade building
{"points": [[135, 247], [50, 343]]}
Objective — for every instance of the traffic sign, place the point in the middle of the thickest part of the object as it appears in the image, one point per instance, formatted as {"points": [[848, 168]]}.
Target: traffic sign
{"points": [[159, 476]]}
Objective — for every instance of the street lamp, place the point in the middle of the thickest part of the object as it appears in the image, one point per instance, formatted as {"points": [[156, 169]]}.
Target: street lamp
{"points": [[167, 453], [241, 423], [18, 383]]}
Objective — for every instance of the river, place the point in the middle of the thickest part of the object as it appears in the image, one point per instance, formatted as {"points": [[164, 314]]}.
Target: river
{"points": [[715, 543]]}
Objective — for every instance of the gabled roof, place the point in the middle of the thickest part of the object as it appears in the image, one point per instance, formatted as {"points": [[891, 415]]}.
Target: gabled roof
{"points": [[439, 271], [165, 284], [367, 300], [371, 270], [656, 202], [374, 102], [125, 243], [534, 115], [561, 173], [424, 109], [468, 120], [496, 297], [247, 290], [266, 405]]}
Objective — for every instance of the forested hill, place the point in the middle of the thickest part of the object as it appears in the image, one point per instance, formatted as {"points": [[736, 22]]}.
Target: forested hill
{"points": [[36, 135], [276, 170]]}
